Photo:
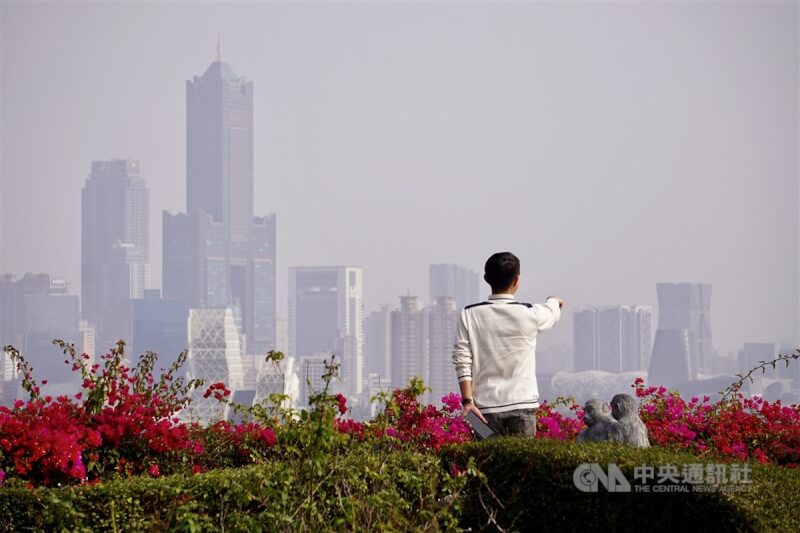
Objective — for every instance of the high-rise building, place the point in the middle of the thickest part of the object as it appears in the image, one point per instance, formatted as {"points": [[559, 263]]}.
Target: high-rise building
{"points": [[219, 149], [312, 377], [378, 343], [214, 356], [218, 255], [48, 317], [326, 316], [584, 323], [160, 326], [454, 281], [410, 342], [34, 310], [12, 305], [754, 353], [683, 346], [282, 335], [259, 301], [115, 244], [612, 338], [443, 324]]}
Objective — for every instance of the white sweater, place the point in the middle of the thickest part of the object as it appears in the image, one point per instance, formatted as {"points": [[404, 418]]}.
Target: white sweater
{"points": [[495, 348]]}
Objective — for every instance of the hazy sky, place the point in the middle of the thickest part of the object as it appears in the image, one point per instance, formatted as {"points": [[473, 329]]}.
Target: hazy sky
{"points": [[610, 145]]}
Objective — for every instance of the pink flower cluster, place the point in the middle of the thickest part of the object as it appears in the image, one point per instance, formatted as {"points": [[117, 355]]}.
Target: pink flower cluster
{"points": [[552, 424], [741, 429], [424, 425]]}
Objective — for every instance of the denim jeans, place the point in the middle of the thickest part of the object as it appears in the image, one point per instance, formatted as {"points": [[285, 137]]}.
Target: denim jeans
{"points": [[516, 422]]}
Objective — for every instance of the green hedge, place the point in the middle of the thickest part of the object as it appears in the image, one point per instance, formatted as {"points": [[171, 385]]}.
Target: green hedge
{"points": [[524, 485], [529, 487], [366, 488]]}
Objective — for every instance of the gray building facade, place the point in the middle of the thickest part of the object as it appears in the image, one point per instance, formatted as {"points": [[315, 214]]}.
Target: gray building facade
{"points": [[115, 244], [218, 255]]}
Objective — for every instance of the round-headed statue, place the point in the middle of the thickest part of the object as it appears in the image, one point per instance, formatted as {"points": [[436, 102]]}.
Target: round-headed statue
{"points": [[629, 428]]}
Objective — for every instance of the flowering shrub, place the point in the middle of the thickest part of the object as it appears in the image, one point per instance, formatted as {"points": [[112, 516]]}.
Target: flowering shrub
{"points": [[407, 421], [739, 428], [124, 422], [552, 424]]}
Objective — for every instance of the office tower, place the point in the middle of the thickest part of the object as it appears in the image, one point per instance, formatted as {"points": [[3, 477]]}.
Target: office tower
{"points": [[160, 326], [326, 316], [612, 338], [584, 342], [48, 317], [115, 243], [218, 255], [377, 386], [378, 343], [282, 335], [456, 282], [214, 356], [443, 325], [753, 353], [312, 377], [13, 318], [410, 342], [10, 389], [260, 302], [87, 338], [219, 149], [683, 345], [12, 305]]}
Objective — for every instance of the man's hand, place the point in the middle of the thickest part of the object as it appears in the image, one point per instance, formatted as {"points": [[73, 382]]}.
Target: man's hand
{"points": [[472, 407], [559, 299]]}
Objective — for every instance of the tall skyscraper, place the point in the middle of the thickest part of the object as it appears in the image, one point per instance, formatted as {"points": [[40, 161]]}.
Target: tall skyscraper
{"points": [[683, 345], [410, 342], [326, 311], [456, 282], [612, 338], [219, 149], [218, 255], [378, 343], [115, 244], [443, 324]]}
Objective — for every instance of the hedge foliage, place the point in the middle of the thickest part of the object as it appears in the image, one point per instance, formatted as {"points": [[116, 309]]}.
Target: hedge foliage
{"points": [[529, 486], [367, 488], [519, 485]]}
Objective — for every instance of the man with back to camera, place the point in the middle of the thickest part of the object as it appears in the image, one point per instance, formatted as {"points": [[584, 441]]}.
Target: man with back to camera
{"points": [[495, 348]]}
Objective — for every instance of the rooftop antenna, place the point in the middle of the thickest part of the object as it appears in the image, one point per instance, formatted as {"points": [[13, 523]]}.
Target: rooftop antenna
{"points": [[219, 48]]}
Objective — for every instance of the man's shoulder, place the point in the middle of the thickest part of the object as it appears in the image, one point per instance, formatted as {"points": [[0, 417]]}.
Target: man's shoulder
{"points": [[476, 305], [471, 306]]}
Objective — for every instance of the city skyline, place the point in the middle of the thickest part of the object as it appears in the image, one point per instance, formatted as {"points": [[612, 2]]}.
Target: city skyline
{"points": [[351, 153]]}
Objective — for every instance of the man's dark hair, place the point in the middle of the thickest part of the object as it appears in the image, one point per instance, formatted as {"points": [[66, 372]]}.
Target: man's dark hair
{"points": [[500, 270]]}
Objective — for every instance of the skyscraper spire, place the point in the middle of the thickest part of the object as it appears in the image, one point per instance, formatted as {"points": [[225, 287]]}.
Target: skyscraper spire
{"points": [[219, 48]]}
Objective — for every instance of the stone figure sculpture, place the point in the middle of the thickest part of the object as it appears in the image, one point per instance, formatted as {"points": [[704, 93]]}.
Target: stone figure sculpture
{"points": [[629, 428], [597, 415]]}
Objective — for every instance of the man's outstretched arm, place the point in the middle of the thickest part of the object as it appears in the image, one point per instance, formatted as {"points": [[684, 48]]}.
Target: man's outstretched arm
{"points": [[549, 313]]}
